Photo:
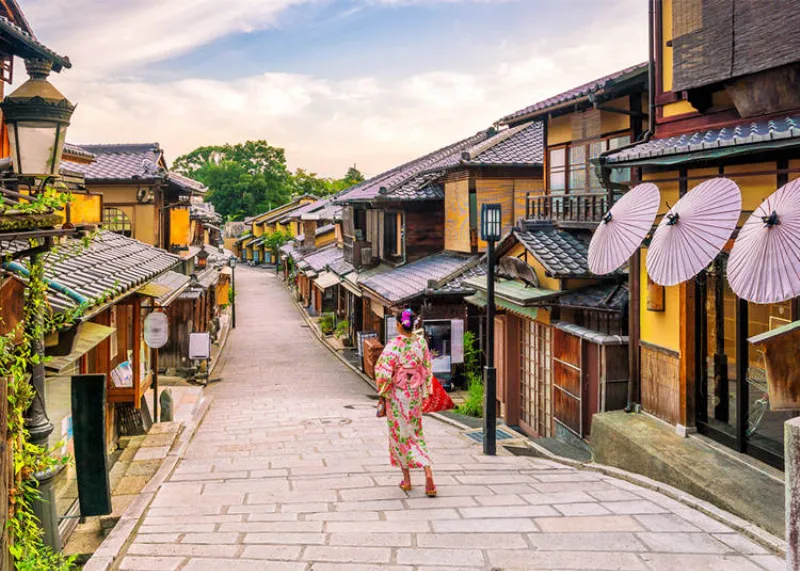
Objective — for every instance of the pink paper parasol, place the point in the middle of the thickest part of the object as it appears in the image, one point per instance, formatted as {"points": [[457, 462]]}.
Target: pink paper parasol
{"points": [[694, 231], [764, 266], [623, 228]]}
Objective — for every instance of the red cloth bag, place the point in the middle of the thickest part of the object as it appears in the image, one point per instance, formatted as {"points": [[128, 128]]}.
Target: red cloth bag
{"points": [[438, 400]]}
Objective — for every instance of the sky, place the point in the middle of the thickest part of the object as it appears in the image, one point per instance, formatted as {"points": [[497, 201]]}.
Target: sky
{"points": [[334, 82]]}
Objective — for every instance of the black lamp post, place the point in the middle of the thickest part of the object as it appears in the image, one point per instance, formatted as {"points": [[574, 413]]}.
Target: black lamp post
{"points": [[491, 229], [37, 116], [232, 264]]}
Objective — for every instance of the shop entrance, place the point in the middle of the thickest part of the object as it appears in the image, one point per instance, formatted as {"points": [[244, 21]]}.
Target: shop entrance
{"points": [[732, 400]]}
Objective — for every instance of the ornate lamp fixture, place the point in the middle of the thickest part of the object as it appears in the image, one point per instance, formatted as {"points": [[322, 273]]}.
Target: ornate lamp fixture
{"points": [[37, 116]]}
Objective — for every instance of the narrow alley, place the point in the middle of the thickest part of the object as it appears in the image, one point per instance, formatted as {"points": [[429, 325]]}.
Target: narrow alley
{"points": [[289, 471]]}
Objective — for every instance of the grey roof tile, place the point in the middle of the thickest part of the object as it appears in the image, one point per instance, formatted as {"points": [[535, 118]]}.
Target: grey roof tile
{"points": [[186, 183], [120, 162], [607, 296], [575, 93], [457, 285], [24, 45], [322, 258], [747, 133], [411, 280], [559, 251], [341, 267], [404, 178], [111, 265], [522, 145]]}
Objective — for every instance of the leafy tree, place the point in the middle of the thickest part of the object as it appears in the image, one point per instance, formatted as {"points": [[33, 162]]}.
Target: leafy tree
{"points": [[243, 179], [353, 177], [307, 183]]}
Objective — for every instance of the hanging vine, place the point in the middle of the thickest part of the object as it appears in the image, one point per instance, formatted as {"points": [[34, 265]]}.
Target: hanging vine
{"points": [[17, 357], [26, 544]]}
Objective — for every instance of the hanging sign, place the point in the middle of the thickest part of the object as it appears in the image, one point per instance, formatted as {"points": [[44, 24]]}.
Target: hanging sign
{"points": [[156, 330]]}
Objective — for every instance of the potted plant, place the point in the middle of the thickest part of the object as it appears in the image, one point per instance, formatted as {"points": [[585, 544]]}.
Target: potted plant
{"points": [[327, 323], [342, 332]]}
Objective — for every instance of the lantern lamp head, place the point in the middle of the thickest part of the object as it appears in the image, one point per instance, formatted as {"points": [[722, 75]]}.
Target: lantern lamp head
{"points": [[202, 258], [491, 222], [232, 262], [37, 116]]}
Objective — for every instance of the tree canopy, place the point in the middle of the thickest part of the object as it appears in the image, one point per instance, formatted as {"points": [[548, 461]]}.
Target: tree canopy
{"points": [[252, 177]]}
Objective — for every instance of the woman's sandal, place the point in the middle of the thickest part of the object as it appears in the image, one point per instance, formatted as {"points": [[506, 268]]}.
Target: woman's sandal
{"points": [[430, 489], [405, 486]]}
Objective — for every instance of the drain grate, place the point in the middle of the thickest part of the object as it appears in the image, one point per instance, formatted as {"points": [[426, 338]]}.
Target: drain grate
{"points": [[477, 435]]}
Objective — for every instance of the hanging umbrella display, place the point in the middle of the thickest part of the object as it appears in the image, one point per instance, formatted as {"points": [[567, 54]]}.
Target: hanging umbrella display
{"points": [[694, 231], [623, 228], [764, 266]]}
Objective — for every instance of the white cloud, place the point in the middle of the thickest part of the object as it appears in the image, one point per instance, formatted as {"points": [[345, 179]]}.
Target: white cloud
{"points": [[324, 124]]}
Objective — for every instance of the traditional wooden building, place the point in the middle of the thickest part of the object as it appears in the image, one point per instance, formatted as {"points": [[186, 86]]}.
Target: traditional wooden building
{"points": [[250, 247], [722, 106]]}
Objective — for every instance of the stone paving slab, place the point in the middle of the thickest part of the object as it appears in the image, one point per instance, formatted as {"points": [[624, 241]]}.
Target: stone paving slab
{"points": [[289, 471]]}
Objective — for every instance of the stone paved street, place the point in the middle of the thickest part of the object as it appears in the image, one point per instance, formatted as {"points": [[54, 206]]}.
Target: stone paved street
{"points": [[289, 472]]}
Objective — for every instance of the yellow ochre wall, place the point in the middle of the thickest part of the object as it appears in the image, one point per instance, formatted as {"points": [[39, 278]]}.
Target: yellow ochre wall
{"points": [[179, 227], [145, 223], [660, 328], [325, 239]]}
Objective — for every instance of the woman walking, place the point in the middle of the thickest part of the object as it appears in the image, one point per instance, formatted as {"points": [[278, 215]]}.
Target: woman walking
{"points": [[404, 377]]}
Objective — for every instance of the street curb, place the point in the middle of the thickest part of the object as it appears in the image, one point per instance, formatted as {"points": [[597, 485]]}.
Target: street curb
{"points": [[110, 550]]}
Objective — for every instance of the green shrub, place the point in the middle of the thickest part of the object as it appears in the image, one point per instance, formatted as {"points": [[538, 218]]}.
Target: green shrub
{"points": [[473, 405], [327, 323], [342, 329]]}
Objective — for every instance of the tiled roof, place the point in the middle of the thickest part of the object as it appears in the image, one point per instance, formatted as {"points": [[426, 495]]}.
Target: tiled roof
{"points": [[457, 285], [320, 259], [186, 183], [172, 280], [205, 212], [306, 208], [290, 249], [24, 45], [751, 132], [208, 278], [111, 266], [78, 152], [609, 297], [341, 267], [519, 146], [409, 281], [575, 93], [399, 179], [560, 252], [324, 229], [120, 162]]}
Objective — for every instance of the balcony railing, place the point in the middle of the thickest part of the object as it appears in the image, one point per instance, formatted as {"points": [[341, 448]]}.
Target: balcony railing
{"points": [[581, 210]]}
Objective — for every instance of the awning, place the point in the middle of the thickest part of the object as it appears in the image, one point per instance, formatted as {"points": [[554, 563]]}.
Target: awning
{"points": [[514, 292], [351, 288], [480, 300], [165, 288], [326, 280], [89, 336], [309, 273]]}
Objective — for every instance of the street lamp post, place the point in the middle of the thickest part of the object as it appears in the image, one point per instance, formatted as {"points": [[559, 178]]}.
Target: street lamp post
{"points": [[491, 228], [37, 116], [232, 264]]}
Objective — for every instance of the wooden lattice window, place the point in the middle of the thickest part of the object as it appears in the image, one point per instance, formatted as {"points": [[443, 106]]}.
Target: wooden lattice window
{"points": [[536, 379], [115, 220]]}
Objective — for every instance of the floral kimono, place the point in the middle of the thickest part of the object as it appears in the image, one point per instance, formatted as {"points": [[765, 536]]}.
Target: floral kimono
{"points": [[404, 376]]}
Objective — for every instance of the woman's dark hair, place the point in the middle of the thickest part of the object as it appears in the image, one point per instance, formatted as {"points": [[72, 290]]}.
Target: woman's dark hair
{"points": [[406, 319]]}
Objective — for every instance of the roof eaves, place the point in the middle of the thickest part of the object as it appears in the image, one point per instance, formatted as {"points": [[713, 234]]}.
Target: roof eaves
{"points": [[27, 46]]}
